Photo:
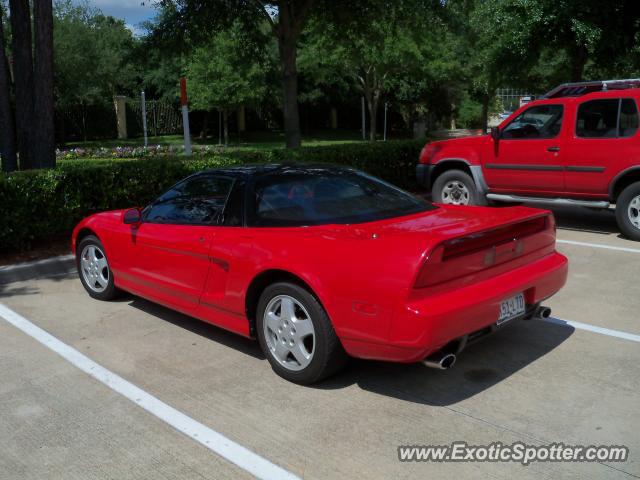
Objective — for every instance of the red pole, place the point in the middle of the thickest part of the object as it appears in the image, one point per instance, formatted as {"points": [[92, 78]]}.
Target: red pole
{"points": [[183, 92]]}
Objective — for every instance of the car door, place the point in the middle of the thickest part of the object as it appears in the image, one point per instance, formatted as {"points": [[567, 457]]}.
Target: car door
{"points": [[168, 256], [527, 158], [604, 138]]}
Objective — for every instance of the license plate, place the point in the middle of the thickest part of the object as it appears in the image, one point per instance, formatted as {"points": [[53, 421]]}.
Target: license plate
{"points": [[511, 308]]}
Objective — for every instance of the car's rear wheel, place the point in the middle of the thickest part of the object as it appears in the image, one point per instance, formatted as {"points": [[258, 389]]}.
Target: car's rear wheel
{"points": [[296, 335], [455, 187], [628, 211], [93, 269]]}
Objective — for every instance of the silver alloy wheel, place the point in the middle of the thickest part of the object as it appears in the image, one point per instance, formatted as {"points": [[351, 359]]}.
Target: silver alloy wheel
{"points": [[634, 211], [289, 332], [455, 193], [94, 267]]}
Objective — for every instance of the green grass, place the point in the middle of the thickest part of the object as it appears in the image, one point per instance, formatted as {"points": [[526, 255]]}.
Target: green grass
{"points": [[248, 141]]}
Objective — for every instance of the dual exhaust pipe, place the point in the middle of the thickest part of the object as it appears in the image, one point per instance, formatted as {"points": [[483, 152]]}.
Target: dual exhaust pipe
{"points": [[442, 360]]}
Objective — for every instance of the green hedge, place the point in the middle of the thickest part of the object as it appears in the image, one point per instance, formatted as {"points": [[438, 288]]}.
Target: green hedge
{"points": [[38, 205]]}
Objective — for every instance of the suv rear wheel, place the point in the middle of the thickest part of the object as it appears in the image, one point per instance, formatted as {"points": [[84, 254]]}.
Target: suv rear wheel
{"points": [[628, 211], [455, 187]]}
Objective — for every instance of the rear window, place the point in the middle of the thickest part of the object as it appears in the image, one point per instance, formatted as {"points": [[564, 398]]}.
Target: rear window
{"points": [[325, 196], [607, 118]]}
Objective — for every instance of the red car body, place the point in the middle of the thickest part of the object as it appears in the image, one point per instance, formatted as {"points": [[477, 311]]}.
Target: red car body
{"points": [[394, 289]]}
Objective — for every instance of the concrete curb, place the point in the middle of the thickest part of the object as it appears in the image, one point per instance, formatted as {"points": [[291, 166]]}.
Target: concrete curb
{"points": [[49, 267]]}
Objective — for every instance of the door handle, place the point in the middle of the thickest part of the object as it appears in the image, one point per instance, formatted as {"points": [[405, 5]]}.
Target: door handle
{"points": [[553, 149]]}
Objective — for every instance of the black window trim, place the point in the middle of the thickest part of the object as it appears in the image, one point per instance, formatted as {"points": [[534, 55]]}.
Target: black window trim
{"points": [[617, 137], [561, 105], [215, 223]]}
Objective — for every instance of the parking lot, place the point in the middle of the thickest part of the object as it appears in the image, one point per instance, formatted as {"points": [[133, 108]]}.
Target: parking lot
{"points": [[537, 382]]}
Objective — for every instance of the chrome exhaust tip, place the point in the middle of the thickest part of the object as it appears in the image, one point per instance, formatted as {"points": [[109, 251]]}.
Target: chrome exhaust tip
{"points": [[440, 360], [543, 312]]}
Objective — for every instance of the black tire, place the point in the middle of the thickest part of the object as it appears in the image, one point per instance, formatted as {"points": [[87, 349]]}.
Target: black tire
{"points": [[110, 291], [623, 211], [458, 177], [328, 355]]}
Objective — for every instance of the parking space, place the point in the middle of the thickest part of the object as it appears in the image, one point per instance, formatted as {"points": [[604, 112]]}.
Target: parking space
{"points": [[534, 382]]}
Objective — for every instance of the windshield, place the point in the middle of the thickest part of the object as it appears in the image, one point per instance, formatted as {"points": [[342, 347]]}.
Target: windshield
{"points": [[323, 196]]}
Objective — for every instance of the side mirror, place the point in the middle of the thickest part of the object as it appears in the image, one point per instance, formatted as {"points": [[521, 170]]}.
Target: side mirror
{"points": [[495, 133], [133, 216]]}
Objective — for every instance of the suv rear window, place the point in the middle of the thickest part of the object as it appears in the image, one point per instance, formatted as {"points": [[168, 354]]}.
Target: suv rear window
{"points": [[607, 118]]}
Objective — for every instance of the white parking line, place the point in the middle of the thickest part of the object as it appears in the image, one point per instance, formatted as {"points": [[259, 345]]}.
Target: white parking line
{"points": [[214, 441], [598, 245], [593, 328]]}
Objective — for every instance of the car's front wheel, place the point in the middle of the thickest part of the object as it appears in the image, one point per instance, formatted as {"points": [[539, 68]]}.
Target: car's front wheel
{"points": [[628, 211], [296, 335], [93, 269], [455, 187]]}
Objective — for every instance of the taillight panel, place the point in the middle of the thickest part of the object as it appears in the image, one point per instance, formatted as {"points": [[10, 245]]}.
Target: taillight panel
{"points": [[463, 256]]}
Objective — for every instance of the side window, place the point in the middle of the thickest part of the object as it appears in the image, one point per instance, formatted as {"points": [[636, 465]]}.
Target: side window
{"points": [[196, 201], [628, 117], [541, 121], [610, 118], [233, 211], [598, 119]]}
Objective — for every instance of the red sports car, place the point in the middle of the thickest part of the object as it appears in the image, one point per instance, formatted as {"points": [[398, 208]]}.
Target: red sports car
{"points": [[321, 263]]}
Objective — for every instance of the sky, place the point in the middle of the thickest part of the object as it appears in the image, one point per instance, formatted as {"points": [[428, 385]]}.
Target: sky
{"points": [[131, 11]]}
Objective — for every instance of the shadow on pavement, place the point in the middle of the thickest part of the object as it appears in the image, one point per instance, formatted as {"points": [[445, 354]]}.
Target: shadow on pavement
{"points": [[199, 327], [9, 290], [478, 368], [586, 220]]}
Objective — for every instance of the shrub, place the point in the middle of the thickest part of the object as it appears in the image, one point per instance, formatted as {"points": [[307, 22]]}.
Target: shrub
{"points": [[40, 204]]}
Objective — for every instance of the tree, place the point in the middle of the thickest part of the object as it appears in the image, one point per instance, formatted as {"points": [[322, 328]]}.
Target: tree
{"points": [[32, 50], [23, 80], [286, 19], [380, 47], [7, 132], [537, 43], [92, 58], [44, 125], [227, 73]]}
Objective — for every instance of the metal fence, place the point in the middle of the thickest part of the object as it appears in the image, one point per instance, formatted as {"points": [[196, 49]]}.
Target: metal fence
{"points": [[511, 98], [163, 117]]}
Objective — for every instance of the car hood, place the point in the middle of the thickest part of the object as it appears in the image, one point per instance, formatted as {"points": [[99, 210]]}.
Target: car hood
{"points": [[470, 141]]}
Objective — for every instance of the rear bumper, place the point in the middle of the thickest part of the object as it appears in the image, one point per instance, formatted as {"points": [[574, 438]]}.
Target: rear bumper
{"points": [[426, 324], [423, 174]]}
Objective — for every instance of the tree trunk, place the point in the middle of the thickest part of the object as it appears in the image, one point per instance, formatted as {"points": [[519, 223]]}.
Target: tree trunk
{"points": [[44, 126], [225, 121], [373, 116], [290, 95], [7, 132], [579, 57], [83, 110], [292, 17], [205, 126], [485, 112], [23, 80]]}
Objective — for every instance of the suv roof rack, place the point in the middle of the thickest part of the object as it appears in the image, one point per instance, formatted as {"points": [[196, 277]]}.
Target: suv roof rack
{"points": [[582, 88]]}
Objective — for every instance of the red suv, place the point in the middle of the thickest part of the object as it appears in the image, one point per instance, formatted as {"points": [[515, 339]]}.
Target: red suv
{"points": [[578, 145]]}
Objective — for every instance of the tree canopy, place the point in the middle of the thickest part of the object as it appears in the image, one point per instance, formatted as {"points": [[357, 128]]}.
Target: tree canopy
{"points": [[430, 61]]}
